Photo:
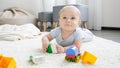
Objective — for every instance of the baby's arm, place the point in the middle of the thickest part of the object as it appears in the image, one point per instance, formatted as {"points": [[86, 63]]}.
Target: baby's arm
{"points": [[61, 49], [78, 44], [45, 41]]}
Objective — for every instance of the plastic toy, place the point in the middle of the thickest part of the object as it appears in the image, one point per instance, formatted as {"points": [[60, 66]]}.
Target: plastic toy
{"points": [[7, 62], [52, 47], [49, 49], [72, 54], [36, 59], [88, 58]]}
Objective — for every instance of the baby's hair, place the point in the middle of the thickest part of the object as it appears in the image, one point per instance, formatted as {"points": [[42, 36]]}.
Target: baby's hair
{"points": [[72, 7]]}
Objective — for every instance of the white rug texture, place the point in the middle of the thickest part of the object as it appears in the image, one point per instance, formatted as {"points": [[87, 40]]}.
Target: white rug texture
{"points": [[107, 52]]}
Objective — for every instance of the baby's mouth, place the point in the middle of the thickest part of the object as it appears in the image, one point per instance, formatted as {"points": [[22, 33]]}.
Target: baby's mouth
{"points": [[67, 25]]}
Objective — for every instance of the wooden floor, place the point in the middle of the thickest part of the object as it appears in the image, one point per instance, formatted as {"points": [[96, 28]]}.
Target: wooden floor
{"points": [[108, 34]]}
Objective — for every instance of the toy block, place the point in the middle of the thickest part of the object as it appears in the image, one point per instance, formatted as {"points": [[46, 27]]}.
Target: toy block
{"points": [[49, 49], [0, 55], [72, 54], [36, 59], [7, 62], [73, 58], [88, 58], [53, 44], [78, 58], [72, 50]]}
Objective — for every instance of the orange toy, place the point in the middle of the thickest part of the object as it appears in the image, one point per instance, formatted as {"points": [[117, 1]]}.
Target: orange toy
{"points": [[88, 58], [7, 62]]}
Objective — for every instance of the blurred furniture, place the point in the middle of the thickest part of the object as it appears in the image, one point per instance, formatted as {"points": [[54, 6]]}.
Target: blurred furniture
{"points": [[83, 9], [16, 16], [43, 18]]}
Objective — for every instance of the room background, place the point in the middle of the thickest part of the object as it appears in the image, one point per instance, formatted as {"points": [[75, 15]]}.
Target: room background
{"points": [[102, 13]]}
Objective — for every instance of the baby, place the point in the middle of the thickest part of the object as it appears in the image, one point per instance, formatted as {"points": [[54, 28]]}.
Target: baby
{"points": [[69, 32]]}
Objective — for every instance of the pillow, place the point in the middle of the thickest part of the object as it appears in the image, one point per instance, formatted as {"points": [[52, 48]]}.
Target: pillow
{"points": [[16, 16]]}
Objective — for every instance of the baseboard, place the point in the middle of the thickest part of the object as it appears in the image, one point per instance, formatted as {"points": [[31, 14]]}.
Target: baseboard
{"points": [[110, 28]]}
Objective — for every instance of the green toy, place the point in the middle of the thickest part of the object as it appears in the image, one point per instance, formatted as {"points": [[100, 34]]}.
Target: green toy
{"points": [[52, 47], [49, 49], [30, 58]]}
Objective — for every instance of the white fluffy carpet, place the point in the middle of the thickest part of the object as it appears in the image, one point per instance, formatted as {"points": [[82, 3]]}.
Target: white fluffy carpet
{"points": [[107, 52]]}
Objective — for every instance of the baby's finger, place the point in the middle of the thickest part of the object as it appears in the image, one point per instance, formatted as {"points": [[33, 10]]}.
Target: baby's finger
{"points": [[44, 49]]}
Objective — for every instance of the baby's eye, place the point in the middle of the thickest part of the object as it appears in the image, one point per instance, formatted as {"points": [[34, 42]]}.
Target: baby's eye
{"points": [[64, 17], [72, 18]]}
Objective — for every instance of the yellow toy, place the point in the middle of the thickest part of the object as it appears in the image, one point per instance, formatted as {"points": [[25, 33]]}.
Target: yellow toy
{"points": [[7, 62], [88, 58]]}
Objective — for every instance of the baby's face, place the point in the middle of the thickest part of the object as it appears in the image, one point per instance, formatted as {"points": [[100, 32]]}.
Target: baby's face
{"points": [[69, 19]]}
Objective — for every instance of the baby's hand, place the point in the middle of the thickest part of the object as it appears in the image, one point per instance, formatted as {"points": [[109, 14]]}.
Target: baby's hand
{"points": [[60, 49]]}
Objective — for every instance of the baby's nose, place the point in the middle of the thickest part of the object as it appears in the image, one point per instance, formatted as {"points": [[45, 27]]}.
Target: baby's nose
{"points": [[68, 19]]}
